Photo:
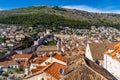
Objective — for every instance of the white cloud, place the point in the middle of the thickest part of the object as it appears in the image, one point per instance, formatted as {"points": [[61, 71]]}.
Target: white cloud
{"points": [[91, 9], [1, 9]]}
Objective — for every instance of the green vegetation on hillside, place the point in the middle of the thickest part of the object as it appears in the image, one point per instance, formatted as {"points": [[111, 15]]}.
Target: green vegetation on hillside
{"points": [[44, 19], [55, 16]]}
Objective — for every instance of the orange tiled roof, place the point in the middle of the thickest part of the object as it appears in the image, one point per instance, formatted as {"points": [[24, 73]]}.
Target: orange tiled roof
{"points": [[116, 50], [38, 68], [28, 56], [6, 63], [113, 54], [40, 59], [106, 52], [22, 63], [51, 69], [73, 48], [111, 47], [117, 46], [59, 57], [38, 72], [81, 51]]}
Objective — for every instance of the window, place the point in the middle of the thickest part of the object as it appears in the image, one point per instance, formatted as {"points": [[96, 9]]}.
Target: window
{"points": [[47, 62], [34, 65], [39, 78], [97, 61], [42, 78]]}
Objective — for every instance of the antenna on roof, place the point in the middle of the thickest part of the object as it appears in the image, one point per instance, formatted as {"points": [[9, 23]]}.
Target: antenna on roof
{"points": [[62, 71]]}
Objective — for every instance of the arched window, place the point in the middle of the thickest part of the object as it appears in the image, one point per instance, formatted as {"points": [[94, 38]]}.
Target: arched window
{"points": [[42, 78]]}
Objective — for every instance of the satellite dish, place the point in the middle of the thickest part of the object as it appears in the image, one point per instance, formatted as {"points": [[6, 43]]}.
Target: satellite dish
{"points": [[62, 71]]}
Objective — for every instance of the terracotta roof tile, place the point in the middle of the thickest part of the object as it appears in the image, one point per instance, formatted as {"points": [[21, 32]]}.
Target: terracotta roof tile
{"points": [[28, 56], [81, 51], [6, 63], [113, 53], [116, 51], [117, 46], [38, 68], [40, 59], [59, 57], [39, 72], [22, 63], [51, 69]]}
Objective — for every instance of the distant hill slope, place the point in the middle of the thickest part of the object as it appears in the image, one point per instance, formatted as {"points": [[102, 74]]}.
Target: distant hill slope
{"points": [[55, 16]]}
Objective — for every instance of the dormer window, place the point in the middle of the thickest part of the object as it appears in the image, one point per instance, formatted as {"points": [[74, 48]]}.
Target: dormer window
{"points": [[97, 62], [42, 79], [118, 55], [47, 63]]}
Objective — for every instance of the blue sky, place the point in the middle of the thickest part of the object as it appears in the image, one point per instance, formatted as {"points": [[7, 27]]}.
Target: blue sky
{"points": [[104, 6]]}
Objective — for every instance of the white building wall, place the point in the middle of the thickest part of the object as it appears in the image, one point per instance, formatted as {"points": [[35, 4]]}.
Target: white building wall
{"points": [[33, 65], [14, 66], [19, 51], [11, 45], [26, 71], [35, 43], [112, 65], [101, 63], [5, 69], [51, 60], [88, 53]]}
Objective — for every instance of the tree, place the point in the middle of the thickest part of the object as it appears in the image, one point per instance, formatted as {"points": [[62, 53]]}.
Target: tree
{"points": [[2, 39], [5, 74], [20, 69], [3, 53]]}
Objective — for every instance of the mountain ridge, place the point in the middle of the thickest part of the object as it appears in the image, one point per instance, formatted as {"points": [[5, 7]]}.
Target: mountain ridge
{"points": [[99, 19]]}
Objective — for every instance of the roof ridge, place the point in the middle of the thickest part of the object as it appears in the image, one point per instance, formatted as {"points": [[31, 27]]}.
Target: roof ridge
{"points": [[57, 67], [39, 71], [97, 72], [48, 66]]}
